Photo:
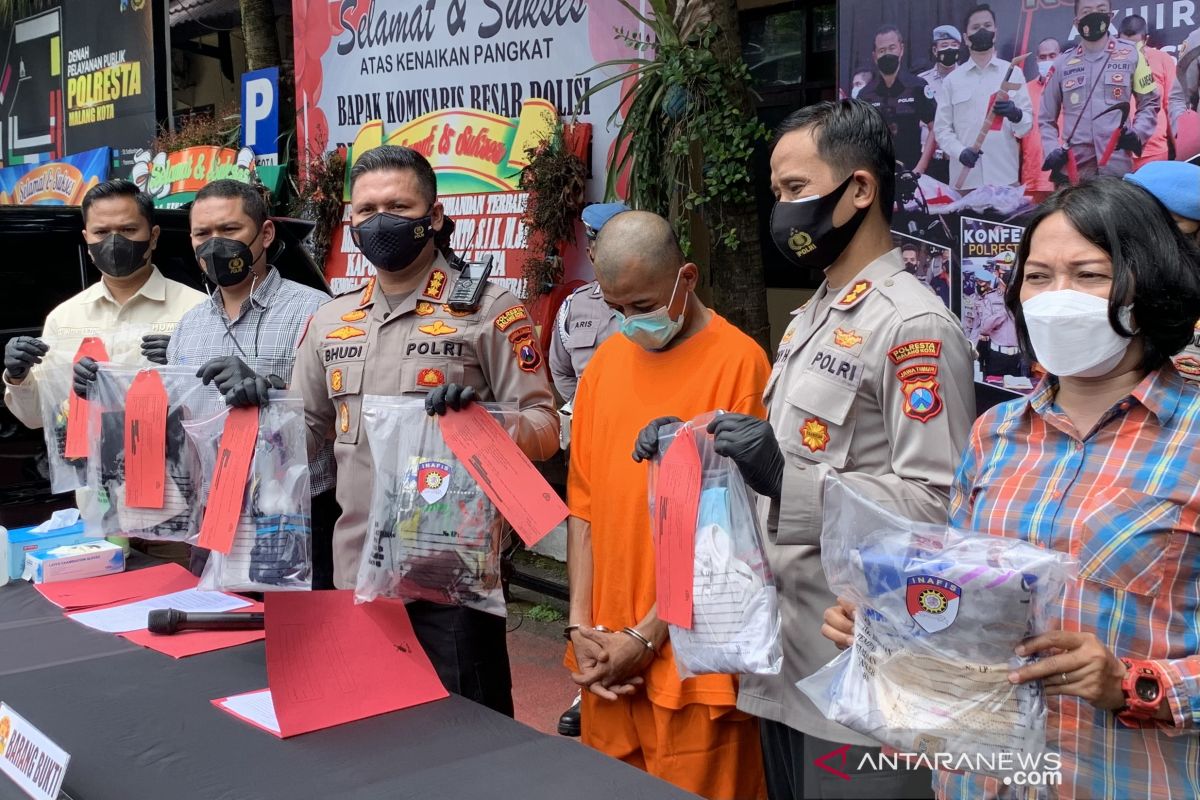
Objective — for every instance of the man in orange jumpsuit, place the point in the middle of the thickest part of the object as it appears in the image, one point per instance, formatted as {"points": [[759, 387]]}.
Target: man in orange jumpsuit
{"points": [[676, 359], [1033, 177]]}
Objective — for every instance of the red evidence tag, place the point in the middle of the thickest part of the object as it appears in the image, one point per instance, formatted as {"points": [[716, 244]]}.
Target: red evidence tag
{"points": [[506, 475], [228, 485], [76, 445], [676, 505], [146, 441]]}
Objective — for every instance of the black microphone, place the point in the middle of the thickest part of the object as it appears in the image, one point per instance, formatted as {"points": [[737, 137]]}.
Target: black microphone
{"points": [[167, 621]]}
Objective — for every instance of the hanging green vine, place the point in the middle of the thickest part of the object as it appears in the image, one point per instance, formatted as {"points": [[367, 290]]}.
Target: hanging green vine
{"points": [[555, 179], [685, 140]]}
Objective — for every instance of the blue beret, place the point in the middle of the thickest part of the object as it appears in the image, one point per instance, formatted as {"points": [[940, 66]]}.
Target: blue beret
{"points": [[595, 215], [1176, 184]]}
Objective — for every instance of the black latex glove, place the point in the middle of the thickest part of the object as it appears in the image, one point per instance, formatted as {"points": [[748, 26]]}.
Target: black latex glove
{"points": [[154, 348], [1130, 142], [451, 396], [85, 375], [21, 353], [1056, 160], [240, 385], [751, 443], [969, 157], [1008, 109], [646, 446]]}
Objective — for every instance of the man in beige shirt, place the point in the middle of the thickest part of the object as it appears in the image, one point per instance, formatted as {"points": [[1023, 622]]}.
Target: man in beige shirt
{"points": [[132, 300], [132, 295]]}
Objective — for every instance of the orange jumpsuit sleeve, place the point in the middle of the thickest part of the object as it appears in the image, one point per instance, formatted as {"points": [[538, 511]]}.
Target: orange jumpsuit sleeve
{"points": [[579, 473]]}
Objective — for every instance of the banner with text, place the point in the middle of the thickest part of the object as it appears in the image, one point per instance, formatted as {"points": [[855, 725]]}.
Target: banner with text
{"points": [[56, 183], [469, 84], [78, 76]]}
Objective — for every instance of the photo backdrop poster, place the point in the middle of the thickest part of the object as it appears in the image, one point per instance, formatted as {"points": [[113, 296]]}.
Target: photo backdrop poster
{"points": [[76, 77], [936, 105], [466, 82]]}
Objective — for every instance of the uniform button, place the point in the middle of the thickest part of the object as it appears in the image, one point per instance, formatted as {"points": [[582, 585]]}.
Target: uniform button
{"points": [[889, 282]]}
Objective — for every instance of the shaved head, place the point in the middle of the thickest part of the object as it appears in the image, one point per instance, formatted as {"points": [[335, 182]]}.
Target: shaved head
{"points": [[637, 242]]}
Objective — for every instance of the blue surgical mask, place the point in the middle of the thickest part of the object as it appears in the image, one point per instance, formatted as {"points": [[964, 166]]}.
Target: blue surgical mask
{"points": [[653, 330]]}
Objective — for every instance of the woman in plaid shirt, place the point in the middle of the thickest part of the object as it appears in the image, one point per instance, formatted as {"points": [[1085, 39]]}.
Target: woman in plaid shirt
{"points": [[1101, 461]]}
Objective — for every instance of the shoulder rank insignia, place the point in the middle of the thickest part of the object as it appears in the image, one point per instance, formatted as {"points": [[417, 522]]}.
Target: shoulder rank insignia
{"points": [[367, 293], [424, 308], [436, 286], [921, 399], [814, 434], [437, 328], [357, 315], [346, 332], [1188, 365], [856, 293], [846, 339]]}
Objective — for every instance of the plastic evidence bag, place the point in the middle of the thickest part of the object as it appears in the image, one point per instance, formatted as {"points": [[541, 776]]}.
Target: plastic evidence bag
{"points": [[272, 544], [106, 512], [735, 605], [939, 612], [432, 533], [55, 378]]}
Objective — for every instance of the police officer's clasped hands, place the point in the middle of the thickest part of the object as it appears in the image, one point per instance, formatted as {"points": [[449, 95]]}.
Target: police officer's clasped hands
{"points": [[20, 354], [238, 384]]}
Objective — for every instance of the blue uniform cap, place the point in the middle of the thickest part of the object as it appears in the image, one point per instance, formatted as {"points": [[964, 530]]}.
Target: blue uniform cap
{"points": [[1176, 184], [595, 215], [946, 32]]}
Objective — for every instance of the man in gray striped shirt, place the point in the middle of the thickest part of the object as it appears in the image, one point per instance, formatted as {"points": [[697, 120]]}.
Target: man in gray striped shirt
{"points": [[244, 337]]}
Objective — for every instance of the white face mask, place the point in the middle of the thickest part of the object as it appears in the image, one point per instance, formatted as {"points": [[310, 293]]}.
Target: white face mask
{"points": [[1044, 68], [856, 91], [1071, 334]]}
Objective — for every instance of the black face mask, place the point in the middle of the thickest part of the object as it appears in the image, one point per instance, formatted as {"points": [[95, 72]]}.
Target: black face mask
{"points": [[119, 257], [1094, 27], [948, 57], [982, 40], [392, 242], [888, 63], [226, 262], [804, 231]]}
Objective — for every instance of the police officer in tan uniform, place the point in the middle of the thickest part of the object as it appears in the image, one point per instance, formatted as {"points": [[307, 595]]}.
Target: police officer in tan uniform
{"points": [[873, 382], [1098, 74], [584, 320], [396, 336]]}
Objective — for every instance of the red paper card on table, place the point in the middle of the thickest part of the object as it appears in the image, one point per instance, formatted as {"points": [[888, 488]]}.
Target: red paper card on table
{"points": [[330, 661], [76, 445], [191, 643], [676, 504], [507, 476], [123, 587], [229, 480], [146, 441]]}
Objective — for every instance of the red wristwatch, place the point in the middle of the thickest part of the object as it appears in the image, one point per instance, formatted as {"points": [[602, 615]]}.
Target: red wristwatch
{"points": [[1143, 687]]}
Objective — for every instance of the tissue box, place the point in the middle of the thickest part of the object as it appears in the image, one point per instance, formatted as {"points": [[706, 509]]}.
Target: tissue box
{"points": [[73, 561], [15, 544]]}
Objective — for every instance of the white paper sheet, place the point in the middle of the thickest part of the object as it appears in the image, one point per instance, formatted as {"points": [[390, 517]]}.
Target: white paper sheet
{"points": [[257, 708], [132, 616]]}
